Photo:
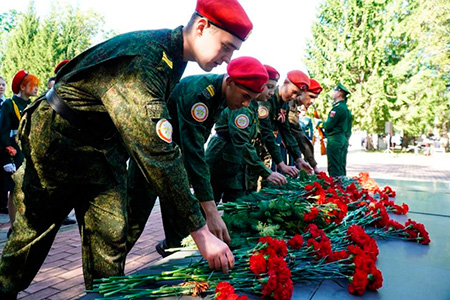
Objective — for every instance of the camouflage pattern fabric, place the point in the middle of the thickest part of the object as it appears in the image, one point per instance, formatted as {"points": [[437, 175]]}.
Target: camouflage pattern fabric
{"points": [[118, 88]]}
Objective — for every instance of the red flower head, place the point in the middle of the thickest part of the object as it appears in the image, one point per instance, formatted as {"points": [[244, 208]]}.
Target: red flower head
{"points": [[311, 215], [358, 282], [296, 242], [258, 264], [223, 290]]}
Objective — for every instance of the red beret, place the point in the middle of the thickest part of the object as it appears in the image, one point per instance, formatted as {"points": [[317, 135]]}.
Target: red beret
{"points": [[248, 72], [17, 80], [273, 73], [227, 15], [60, 65], [299, 78], [314, 86]]}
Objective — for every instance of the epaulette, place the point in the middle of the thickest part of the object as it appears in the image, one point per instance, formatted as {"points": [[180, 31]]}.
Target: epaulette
{"points": [[208, 92]]}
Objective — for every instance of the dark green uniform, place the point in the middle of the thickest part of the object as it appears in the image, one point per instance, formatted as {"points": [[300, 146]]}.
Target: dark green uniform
{"points": [[266, 145], [231, 154], [338, 131], [194, 107], [279, 122], [12, 111], [118, 89], [305, 145]]}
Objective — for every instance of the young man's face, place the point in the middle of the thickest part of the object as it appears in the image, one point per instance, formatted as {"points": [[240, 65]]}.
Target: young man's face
{"points": [[289, 91], [2, 87], [237, 96], [268, 92], [307, 99], [214, 45]]}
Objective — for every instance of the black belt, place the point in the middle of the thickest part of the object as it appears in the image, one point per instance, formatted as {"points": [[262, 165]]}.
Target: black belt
{"points": [[64, 110]]}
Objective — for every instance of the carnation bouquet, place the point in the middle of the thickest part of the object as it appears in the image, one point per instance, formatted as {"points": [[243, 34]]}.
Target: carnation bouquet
{"points": [[313, 228]]}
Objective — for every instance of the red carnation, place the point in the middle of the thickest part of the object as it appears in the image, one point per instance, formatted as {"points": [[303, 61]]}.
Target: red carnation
{"points": [[258, 264], [358, 282], [311, 215], [296, 242], [223, 290]]}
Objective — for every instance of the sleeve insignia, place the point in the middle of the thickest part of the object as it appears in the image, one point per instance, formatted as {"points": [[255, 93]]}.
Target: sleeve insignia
{"points": [[199, 112], [164, 130], [332, 113], [263, 112], [241, 121]]}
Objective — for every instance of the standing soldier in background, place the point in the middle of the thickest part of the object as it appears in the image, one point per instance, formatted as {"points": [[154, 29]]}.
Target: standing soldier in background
{"points": [[338, 129], [266, 144], [293, 88], [304, 143], [109, 103], [24, 86], [231, 154], [194, 107]]}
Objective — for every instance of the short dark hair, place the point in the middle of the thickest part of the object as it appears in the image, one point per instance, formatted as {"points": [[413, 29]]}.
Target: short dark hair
{"points": [[51, 79]]}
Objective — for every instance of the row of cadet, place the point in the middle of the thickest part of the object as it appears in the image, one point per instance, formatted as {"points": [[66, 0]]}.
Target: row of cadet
{"points": [[120, 102], [24, 86]]}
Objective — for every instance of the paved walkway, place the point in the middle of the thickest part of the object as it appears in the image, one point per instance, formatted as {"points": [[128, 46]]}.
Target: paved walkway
{"points": [[61, 276]]}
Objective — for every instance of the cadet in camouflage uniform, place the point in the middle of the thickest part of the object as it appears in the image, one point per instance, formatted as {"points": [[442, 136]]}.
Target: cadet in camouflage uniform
{"points": [[277, 106], [231, 154], [108, 103], [304, 143], [338, 129], [265, 144], [194, 107]]}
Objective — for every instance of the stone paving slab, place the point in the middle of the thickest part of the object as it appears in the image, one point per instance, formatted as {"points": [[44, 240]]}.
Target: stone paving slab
{"points": [[381, 166]]}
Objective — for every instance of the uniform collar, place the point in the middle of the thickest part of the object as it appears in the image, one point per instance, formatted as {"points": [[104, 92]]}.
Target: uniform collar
{"points": [[176, 47]]}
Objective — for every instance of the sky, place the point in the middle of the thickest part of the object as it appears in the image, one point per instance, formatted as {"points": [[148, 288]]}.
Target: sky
{"points": [[280, 27]]}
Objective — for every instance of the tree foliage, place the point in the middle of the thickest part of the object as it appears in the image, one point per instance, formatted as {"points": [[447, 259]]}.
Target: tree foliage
{"points": [[394, 55], [37, 45]]}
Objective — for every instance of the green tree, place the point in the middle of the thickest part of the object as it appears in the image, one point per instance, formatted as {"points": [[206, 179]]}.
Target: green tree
{"points": [[37, 45], [392, 54], [7, 23], [19, 44]]}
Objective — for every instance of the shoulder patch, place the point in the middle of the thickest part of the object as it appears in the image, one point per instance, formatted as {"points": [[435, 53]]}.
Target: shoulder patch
{"points": [[167, 60], [332, 113], [199, 112], [263, 112], [164, 130], [241, 121]]}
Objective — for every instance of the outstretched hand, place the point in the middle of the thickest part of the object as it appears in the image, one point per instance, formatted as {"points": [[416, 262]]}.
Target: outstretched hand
{"points": [[214, 221], [217, 253]]}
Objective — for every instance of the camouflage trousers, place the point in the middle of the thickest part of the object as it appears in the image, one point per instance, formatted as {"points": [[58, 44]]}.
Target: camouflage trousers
{"points": [[66, 169], [141, 200]]}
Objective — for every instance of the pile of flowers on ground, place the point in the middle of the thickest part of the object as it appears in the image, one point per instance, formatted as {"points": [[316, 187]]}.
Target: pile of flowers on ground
{"points": [[313, 228]]}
